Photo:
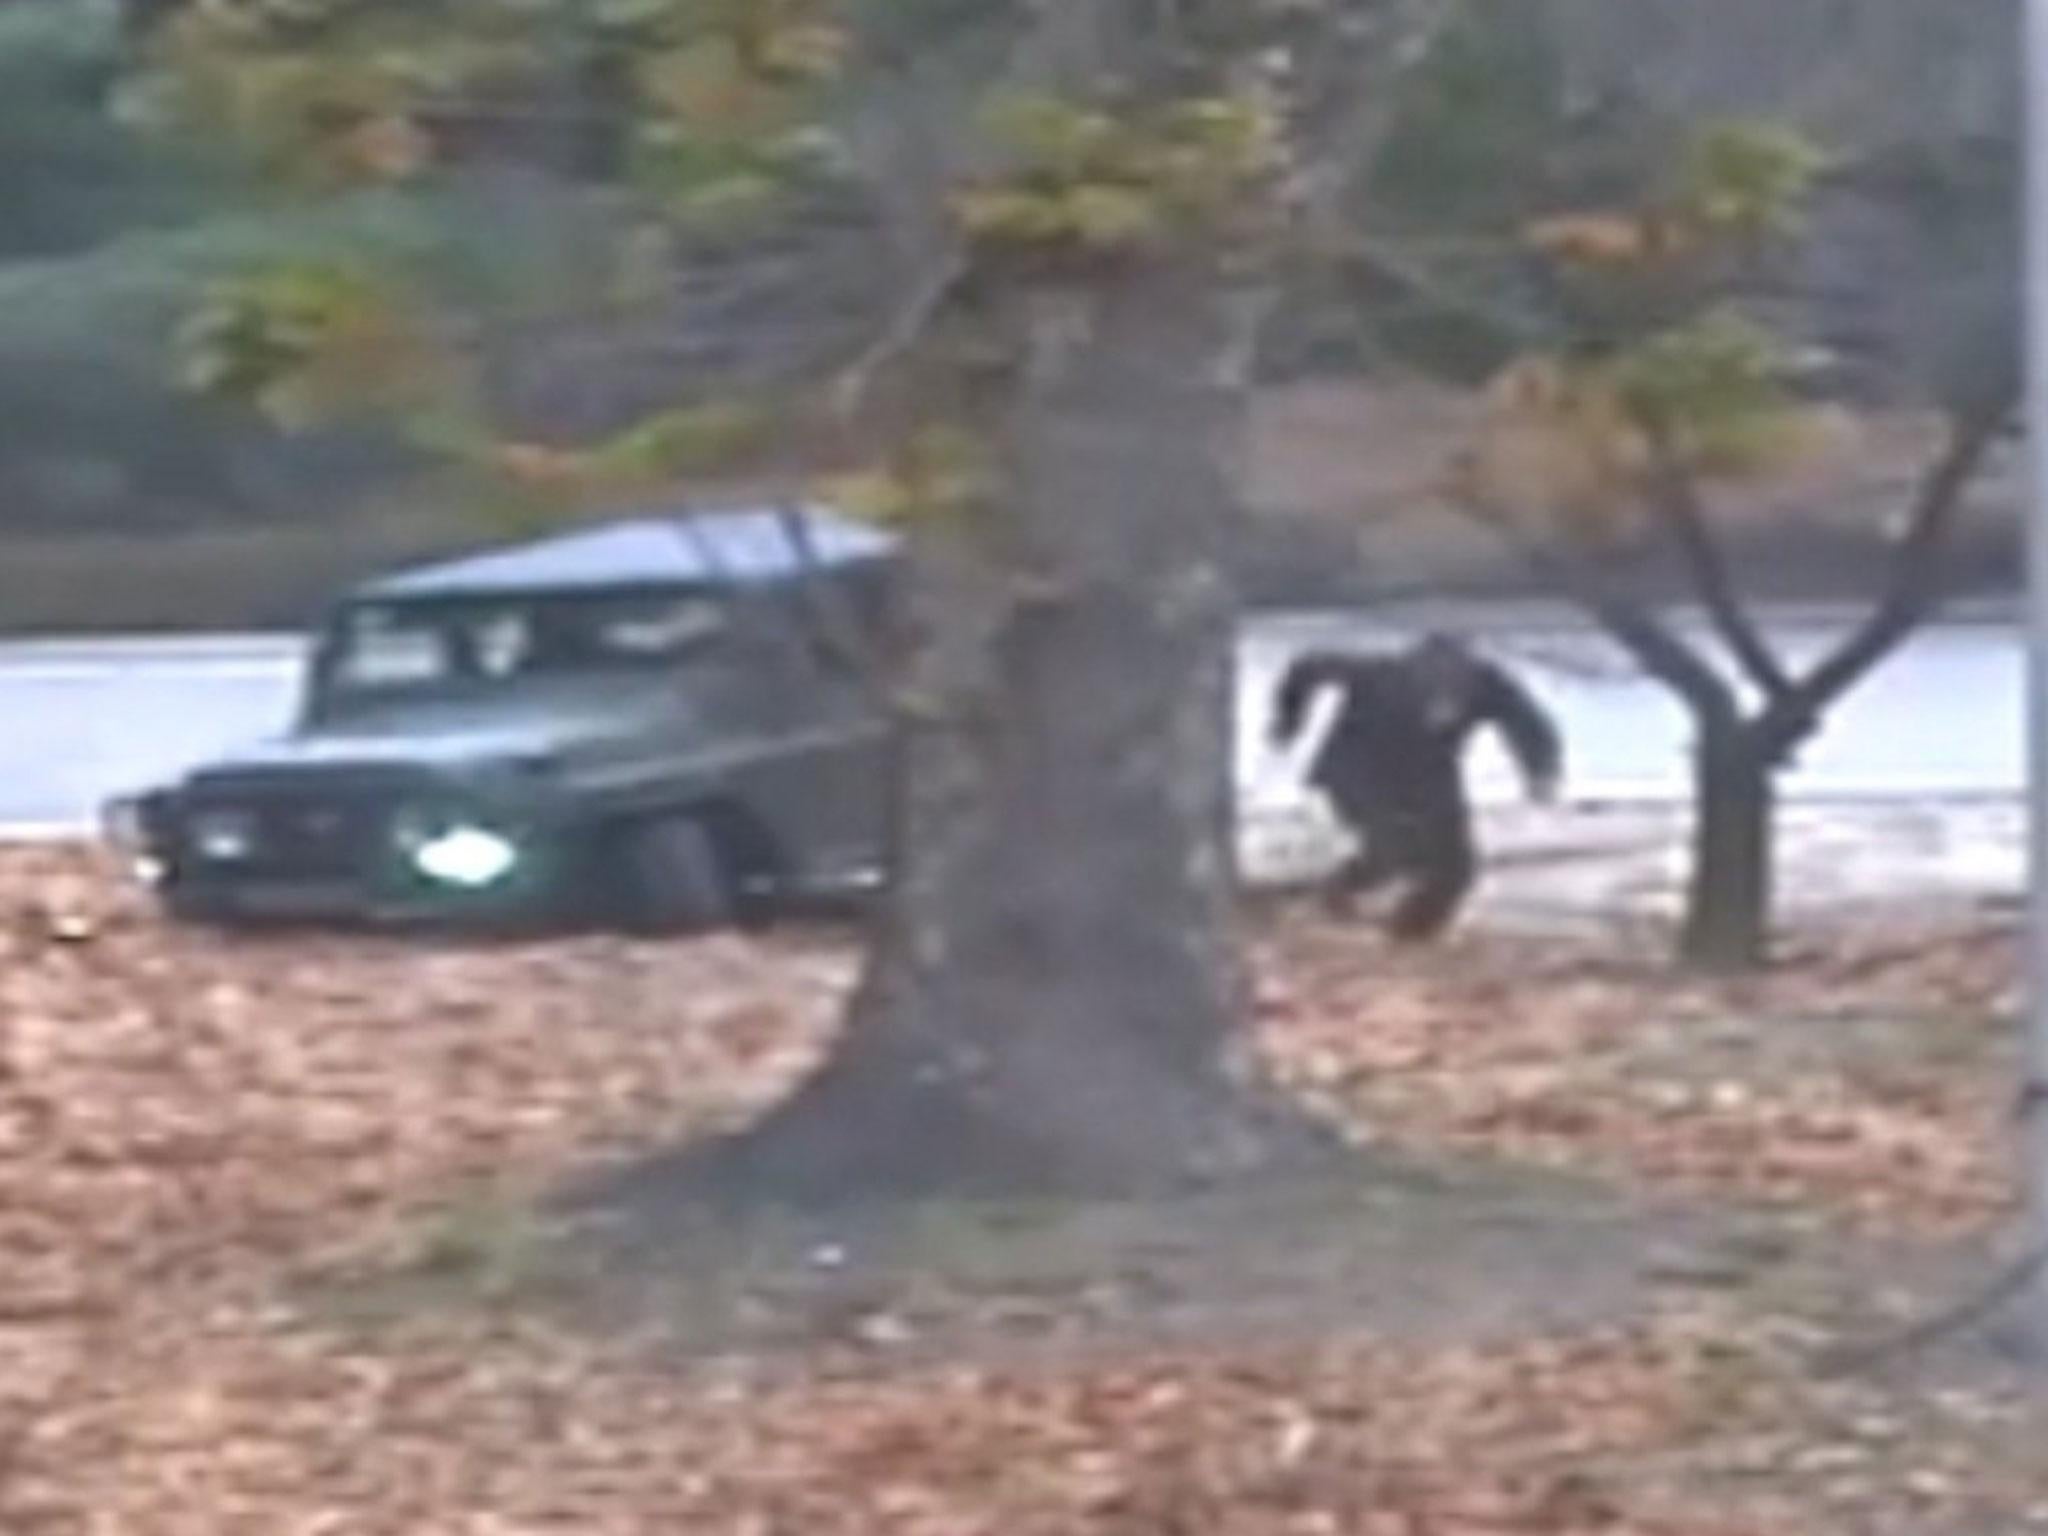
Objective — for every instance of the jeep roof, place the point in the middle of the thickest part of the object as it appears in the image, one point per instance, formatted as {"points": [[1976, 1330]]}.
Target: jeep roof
{"points": [[745, 546]]}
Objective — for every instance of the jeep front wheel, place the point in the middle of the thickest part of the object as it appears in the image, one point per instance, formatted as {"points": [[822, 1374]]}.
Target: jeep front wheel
{"points": [[676, 880]]}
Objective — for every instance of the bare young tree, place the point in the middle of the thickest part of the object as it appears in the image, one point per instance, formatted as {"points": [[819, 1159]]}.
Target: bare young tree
{"points": [[1639, 385]]}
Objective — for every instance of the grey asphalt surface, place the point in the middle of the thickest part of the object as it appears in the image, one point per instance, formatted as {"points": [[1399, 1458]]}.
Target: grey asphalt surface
{"points": [[1942, 717], [81, 720]]}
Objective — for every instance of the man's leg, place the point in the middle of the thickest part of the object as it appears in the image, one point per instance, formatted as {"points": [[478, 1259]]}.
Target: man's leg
{"points": [[1365, 871], [1442, 867], [1373, 862]]}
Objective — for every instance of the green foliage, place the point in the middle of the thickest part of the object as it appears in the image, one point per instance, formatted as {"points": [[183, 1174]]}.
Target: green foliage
{"points": [[1571, 442], [1052, 139], [111, 237], [249, 77], [1718, 364], [1654, 361], [718, 108], [723, 99], [1748, 178], [1617, 276], [707, 183], [304, 342], [686, 440], [338, 92], [244, 340], [124, 298], [1087, 180], [1737, 183], [778, 42], [937, 474], [524, 486], [1716, 384]]}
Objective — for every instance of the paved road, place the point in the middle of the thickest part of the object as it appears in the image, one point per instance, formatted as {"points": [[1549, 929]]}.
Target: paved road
{"points": [[80, 720], [1941, 717]]}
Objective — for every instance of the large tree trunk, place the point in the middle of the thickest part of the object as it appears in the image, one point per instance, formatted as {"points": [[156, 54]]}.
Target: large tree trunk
{"points": [[1051, 996], [1728, 907]]}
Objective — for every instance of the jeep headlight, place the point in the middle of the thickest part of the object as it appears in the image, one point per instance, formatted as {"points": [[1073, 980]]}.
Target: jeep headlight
{"points": [[465, 854], [223, 836]]}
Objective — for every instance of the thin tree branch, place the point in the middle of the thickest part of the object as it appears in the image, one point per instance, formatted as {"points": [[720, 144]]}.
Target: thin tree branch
{"points": [[1913, 590], [1381, 259], [1352, 143], [841, 632], [903, 331], [1655, 647], [1673, 494]]}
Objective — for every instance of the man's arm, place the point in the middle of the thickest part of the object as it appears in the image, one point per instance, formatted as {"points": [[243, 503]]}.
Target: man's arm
{"points": [[1532, 736], [1304, 678]]}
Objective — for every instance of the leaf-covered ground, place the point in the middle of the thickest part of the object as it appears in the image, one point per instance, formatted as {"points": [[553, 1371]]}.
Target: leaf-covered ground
{"points": [[190, 1126], [1872, 1075]]}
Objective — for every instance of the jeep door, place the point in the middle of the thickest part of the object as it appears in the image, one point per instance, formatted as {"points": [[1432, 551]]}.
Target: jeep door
{"points": [[819, 773]]}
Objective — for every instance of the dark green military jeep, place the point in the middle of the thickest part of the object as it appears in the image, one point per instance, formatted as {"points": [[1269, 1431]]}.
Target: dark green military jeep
{"points": [[660, 723]]}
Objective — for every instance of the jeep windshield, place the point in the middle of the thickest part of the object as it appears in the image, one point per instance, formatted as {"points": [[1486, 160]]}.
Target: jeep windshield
{"points": [[388, 651]]}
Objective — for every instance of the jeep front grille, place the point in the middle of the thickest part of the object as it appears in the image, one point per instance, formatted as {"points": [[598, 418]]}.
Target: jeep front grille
{"points": [[315, 832]]}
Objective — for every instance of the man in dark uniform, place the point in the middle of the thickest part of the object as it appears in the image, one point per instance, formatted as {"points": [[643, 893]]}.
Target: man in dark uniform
{"points": [[1391, 766]]}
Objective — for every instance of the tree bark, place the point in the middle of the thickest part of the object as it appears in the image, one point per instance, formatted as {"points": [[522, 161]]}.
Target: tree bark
{"points": [[1051, 999], [1728, 907]]}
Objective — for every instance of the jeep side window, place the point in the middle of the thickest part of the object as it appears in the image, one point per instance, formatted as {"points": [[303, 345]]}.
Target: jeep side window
{"points": [[662, 629], [377, 651], [382, 650], [403, 647], [497, 644], [611, 632]]}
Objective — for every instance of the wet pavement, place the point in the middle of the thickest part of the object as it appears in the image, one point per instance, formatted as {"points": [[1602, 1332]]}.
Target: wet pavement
{"points": [[1914, 784], [1590, 865]]}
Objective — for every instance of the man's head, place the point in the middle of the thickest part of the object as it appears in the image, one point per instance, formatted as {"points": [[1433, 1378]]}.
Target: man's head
{"points": [[1447, 674]]}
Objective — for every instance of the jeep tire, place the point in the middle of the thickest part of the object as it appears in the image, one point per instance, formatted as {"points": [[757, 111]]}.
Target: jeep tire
{"points": [[676, 877]]}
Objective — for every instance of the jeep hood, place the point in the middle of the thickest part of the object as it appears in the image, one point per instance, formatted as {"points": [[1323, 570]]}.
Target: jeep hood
{"points": [[448, 735]]}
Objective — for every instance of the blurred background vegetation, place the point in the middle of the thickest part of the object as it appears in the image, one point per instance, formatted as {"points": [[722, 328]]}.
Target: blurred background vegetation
{"points": [[127, 501]]}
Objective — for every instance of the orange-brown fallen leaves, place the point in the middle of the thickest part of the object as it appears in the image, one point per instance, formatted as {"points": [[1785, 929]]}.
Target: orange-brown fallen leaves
{"points": [[251, 1435], [171, 1099], [185, 1121], [1873, 1077]]}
